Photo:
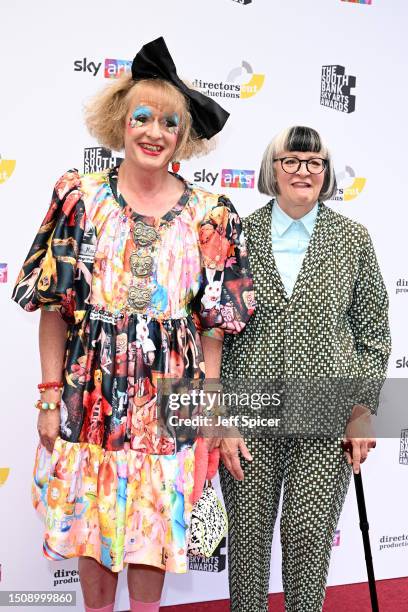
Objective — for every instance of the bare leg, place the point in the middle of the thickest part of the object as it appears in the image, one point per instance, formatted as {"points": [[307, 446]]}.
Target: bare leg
{"points": [[145, 582], [97, 582]]}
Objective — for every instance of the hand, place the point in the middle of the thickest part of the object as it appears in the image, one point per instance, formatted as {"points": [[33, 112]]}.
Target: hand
{"points": [[48, 426], [229, 452], [210, 433], [358, 439], [212, 443]]}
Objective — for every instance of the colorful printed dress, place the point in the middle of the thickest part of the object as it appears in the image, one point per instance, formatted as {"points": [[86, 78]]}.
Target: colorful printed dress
{"points": [[137, 293]]}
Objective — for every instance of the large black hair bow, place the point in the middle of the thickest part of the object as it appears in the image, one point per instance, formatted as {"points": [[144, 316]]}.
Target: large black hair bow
{"points": [[155, 61]]}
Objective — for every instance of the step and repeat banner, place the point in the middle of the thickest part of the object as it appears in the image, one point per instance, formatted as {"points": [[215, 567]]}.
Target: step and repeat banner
{"points": [[335, 65]]}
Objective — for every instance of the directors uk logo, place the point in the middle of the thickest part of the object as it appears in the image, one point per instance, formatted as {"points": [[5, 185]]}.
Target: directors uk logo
{"points": [[243, 1], [349, 186], [401, 286], [4, 474], [335, 89], [6, 169], [241, 82]]}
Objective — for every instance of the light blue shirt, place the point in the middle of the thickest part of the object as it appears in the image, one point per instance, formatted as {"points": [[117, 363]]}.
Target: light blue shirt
{"points": [[290, 239]]}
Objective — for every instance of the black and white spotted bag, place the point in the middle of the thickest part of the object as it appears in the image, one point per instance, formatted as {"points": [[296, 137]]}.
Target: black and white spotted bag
{"points": [[209, 524]]}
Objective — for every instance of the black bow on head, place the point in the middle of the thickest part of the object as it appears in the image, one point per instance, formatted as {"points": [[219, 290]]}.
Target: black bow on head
{"points": [[154, 61]]}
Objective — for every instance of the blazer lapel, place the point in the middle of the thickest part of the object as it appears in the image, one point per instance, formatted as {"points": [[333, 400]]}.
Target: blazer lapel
{"points": [[319, 247], [261, 244]]}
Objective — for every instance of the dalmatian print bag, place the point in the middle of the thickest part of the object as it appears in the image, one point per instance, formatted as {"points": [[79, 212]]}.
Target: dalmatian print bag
{"points": [[209, 524]]}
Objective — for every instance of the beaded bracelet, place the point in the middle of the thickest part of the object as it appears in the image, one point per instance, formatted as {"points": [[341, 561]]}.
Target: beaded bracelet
{"points": [[47, 405], [50, 385]]}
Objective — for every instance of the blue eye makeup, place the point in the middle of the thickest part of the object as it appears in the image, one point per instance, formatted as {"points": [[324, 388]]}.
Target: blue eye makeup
{"points": [[143, 114], [140, 115], [172, 122]]}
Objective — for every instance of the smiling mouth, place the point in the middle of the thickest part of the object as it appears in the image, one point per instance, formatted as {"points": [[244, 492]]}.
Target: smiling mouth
{"points": [[151, 148], [299, 184]]}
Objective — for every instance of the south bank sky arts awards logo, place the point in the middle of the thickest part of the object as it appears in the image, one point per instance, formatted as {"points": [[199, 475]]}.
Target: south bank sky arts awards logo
{"points": [[214, 564], [358, 1], [335, 89], [349, 186], [403, 454], [6, 169], [98, 159]]}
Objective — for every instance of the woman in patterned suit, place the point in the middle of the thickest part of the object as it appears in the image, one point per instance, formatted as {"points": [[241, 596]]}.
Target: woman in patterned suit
{"points": [[321, 317]]}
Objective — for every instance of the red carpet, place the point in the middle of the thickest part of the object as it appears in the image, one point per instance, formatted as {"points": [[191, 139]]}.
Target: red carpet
{"points": [[392, 597]]}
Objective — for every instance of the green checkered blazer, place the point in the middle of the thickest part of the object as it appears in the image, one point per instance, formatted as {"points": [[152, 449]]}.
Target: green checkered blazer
{"points": [[334, 325]]}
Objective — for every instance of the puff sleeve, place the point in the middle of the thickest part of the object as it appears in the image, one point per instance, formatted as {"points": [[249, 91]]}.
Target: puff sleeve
{"points": [[225, 300], [46, 279]]}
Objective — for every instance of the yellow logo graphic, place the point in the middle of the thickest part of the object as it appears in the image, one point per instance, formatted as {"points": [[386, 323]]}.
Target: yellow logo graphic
{"points": [[355, 189], [349, 185], [253, 86], [4, 472], [250, 83], [6, 169]]}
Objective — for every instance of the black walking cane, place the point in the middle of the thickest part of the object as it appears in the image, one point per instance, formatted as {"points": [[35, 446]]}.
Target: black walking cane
{"points": [[364, 526]]}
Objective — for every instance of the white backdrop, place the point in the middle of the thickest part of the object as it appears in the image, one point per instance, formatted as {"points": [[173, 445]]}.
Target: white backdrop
{"points": [[274, 52]]}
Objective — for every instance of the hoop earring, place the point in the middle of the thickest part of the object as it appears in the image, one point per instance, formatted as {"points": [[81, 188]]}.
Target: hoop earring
{"points": [[175, 166]]}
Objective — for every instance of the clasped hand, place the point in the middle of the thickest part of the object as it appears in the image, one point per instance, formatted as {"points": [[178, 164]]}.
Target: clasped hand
{"points": [[359, 437]]}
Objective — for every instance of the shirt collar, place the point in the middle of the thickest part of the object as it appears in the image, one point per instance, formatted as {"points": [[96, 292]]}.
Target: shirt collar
{"points": [[282, 221]]}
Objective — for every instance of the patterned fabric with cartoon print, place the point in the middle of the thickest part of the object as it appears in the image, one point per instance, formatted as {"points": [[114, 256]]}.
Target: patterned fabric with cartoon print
{"points": [[137, 293]]}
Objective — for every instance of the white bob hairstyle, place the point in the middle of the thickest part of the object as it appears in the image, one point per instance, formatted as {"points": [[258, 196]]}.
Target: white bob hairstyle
{"points": [[296, 138]]}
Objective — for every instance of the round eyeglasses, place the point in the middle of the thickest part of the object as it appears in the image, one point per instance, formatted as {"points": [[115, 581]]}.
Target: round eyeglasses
{"points": [[291, 165]]}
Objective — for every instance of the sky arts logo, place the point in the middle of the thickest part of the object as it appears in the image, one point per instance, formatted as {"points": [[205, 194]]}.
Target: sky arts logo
{"points": [[336, 539], [403, 454], [216, 563], [4, 474], [358, 1], [401, 363], [97, 159], [83, 65], [349, 186], [3, 273], [6, 169], [243, 179], [115, 67], [335, 89], [241, 82]]}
